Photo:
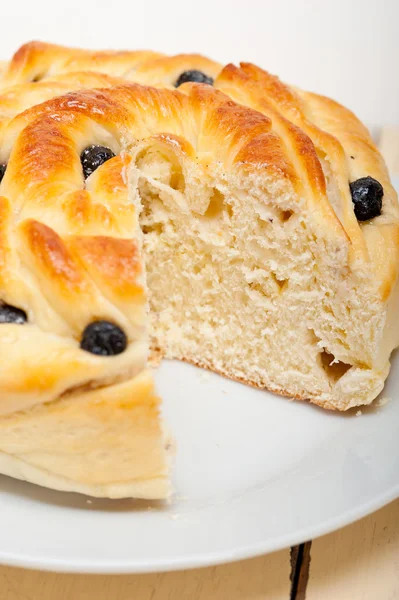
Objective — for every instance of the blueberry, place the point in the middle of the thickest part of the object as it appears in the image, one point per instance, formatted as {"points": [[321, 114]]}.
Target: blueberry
{"points": [[11, 314], [93, 157], [103, 338], [367, 196], [2, 171], [194, 75]]}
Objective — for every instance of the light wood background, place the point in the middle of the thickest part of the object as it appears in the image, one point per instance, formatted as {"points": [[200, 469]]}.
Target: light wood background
{"points": [[358, 562]]}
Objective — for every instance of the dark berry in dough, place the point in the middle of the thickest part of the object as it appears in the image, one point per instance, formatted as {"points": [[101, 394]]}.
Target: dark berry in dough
{"points": [[11, 314], [367, 196], [194, 75], [103, 338], [2, 171], [93, 157]]}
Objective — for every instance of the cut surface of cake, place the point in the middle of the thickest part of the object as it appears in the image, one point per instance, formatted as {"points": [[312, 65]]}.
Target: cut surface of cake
{"points": [[246, 227]]}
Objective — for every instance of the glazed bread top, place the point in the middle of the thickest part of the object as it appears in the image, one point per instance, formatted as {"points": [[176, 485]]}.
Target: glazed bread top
{"points": [[35, 61], [327, 146]]}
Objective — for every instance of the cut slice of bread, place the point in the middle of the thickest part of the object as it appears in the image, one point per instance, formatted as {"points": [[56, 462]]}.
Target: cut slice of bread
{"points": [[105, 442]]}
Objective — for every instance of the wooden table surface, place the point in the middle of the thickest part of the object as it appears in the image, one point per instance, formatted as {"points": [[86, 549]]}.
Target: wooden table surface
{"points": [[358, 562]]}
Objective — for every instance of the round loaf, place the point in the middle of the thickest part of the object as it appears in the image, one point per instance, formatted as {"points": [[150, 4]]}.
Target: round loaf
{"points": [[215, 141], [222, 232]]}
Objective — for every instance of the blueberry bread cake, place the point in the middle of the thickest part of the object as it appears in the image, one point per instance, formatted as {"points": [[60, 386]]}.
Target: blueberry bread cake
{"points": [[236, 223]]}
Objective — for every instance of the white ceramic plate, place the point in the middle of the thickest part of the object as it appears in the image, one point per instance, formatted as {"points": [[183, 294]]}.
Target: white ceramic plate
{"points": [[254, 473]]}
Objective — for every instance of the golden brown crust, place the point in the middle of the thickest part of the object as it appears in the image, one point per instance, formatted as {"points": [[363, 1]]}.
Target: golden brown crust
{"points": [[294, 119], [53, 259], [247, 84], [305, 128], [18, 98], [146, 111], [164, 71], [114, 262], [37, 60]]}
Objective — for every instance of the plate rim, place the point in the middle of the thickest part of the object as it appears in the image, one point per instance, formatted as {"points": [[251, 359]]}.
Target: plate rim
{"points": [[274, 544]]}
